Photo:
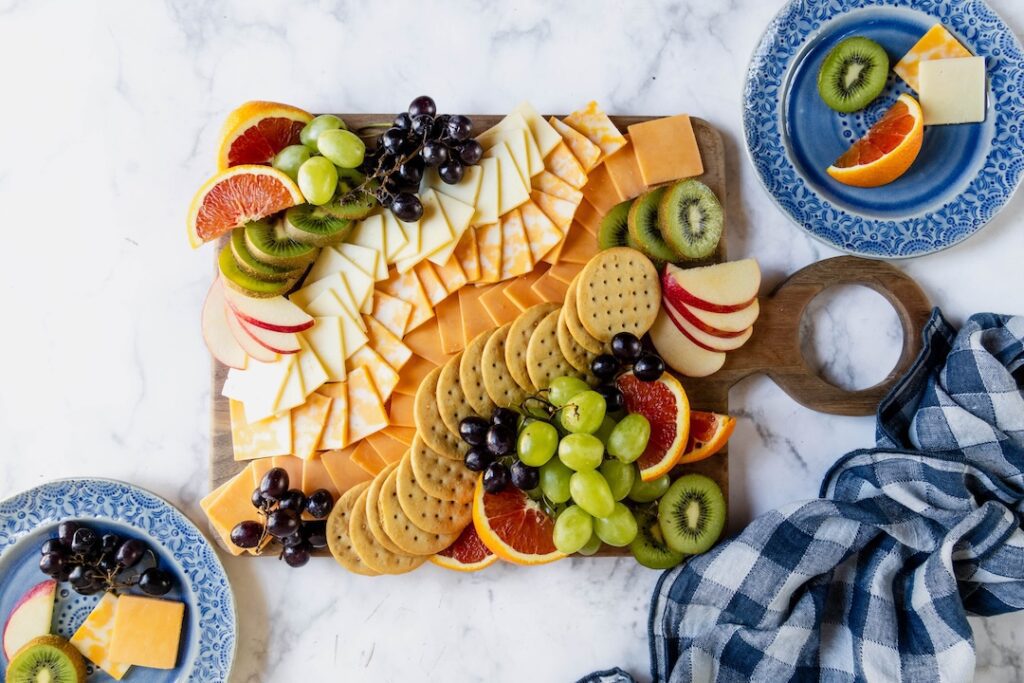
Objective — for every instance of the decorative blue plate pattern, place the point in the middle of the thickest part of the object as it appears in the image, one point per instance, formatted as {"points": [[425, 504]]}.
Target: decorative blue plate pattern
{"points": [[28, 519], [964, 174]]}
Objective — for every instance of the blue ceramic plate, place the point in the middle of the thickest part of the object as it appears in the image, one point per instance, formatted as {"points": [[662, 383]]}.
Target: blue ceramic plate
{"points": [[964, 175], [30, 518]]}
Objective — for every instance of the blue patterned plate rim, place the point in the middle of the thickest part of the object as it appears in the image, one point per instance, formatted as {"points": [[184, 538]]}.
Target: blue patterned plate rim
{"points": [[991, 188], [205, 572]]}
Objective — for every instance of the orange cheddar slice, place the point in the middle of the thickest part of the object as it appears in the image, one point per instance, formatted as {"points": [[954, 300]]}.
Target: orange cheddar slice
{"points": [[315, 475], [565, 272], [563, 164], [367, 458], [498, 306], [413, 374], [432, 285], [548, 183], [580, 244], [601, 191], [625, 172], [541, 234], [390, 347], [560, 211], [449, 325], [589, 218], [407, 287], [147, 631], [403, 434], [384, 376], [391, 312], [262, 439], [474, 316], [519, 291], [467, 256], [365, 408], [453, 277], [335, 434], [553, 255], [343, 472], [92, 638], [666, 149], [291, 465], [230, 504], [593, 123], [488, 241], [425, 341], [308, 421], [586, 152], [258, 468], [390, 450], [937, 43], [550, 289], [515, 247], [401, 410]]}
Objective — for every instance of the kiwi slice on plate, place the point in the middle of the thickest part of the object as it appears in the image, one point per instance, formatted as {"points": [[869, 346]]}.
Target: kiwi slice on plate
{"points": [[691, 514], [690, 219], [246, 284], [250, 265], [270, 243], [47, 658], [353, 203], [643, 226], [316, 225], [853, 74], [649, 547], [614, 230]]}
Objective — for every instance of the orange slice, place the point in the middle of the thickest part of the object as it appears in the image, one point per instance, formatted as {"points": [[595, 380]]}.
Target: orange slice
{"points": [[236, 196], [886, 151], [667, 409], [513, 526], [256, 131], [709, 432], [467, 554]]}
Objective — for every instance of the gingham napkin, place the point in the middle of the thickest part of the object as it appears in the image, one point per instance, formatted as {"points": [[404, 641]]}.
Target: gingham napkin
{"points": [[874, 580]]}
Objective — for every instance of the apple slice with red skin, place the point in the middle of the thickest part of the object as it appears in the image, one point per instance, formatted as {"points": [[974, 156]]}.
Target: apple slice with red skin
{"points": [[252, 347], [278, 342], [276, 313], [703, 339], [216, 331], [721, 288], [30, 617], [681, 354], [718, 324]]}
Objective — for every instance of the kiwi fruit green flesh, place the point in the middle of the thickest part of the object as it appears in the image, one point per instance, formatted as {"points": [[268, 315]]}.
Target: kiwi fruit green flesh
{"points": [[649, 547], [353, 204], [252, 266], [643, 226], [853, 74], [316, 225], [690, 219], [269, 242], [691, 514], [246, 284], [614, 230], [47, 656]]}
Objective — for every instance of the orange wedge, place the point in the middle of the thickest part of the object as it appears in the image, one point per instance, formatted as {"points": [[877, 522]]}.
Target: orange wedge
{"points": [[256, 131], [467, 554], [513, 526], [665, 405], [709, 432], [886, 151], [236, 196]]}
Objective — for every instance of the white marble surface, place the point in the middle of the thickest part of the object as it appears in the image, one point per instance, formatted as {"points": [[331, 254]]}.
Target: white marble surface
{"points": [[109, 115]]}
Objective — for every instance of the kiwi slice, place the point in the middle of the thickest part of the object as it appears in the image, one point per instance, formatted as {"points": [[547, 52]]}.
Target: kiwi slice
{"points": [[270, 243], [242, 282], [853, 74], [316, 225], [690, 219], [649, 547], [614, 230], [643, 226], [47, 658], [691, 514], [355, 204], [252, 266]]}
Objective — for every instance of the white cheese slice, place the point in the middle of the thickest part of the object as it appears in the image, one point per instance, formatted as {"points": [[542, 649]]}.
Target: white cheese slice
{"points": [[369, 233], [294, 393], [329, 305], [506, 129], [952, 90], [546, 137], [327, 342], [435, 233], [370, 261], [338, 283], [311, 368], [488, 197], [359, 282], [512, 190], [458, 215], [259, 386], [466, 190], [410, 237], [515, 140]]}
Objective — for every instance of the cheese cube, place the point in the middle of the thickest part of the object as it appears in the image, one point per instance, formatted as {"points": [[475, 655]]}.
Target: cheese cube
{"points": [[666, 149], [147, 632], [92, 638], [953, 90], [937, 43]]}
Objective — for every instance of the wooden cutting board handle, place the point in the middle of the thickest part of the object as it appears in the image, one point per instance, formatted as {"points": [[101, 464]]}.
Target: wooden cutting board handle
{"points": [[774, 348]]}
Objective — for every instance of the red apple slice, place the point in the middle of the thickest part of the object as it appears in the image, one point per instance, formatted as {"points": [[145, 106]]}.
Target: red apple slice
{"points": [[719, 324], [245, 340], [681, 354], [721, 288], [216, 332], [278, 342], [30, 617], [276, 313], [703, 339]]}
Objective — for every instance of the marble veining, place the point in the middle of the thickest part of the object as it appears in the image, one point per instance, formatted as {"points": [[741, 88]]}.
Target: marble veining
{"points": [[111, 111]]}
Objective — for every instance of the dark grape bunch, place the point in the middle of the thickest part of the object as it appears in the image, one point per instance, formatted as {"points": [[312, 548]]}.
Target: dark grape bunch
{"points": [[280, 511], [492, 449], [419, 138], [627, 351], [92, 563]]}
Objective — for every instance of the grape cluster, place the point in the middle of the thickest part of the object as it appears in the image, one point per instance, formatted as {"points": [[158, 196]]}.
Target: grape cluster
{"points": [[324, 164], [94, 563], [280, 509], [419, 138]]}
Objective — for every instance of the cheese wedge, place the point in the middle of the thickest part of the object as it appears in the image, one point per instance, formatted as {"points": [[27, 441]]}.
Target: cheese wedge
{"points": [[390, 347], [515, 248], [391, 312], [92, 638], [308, 422], [327, 342], [592, 122], [366, 413], [586, 152], [489, 195], [489, 247], [541, 234], [262, 439], [384, 376], [344, 473], [563, 164]]}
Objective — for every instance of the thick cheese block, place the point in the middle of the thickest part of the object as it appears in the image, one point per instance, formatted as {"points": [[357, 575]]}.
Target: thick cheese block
{"points": [[344, 473], [366, 413], [316, 476], [548, 183], [564, 165], [327, 342], [414, 372], [592, 122], [488, 243], [586, 152], [466, 190], [407, 287], [390, 450], [92, 638], [384, 376], [262, 439], [520, 291], [426, 343], [467, 256], [546, 137], [937, 43], [370, 261], [474, 316], [390, 347], [147, 632], [367, 458], [952, 90], [432, 285], [624, 172], [498, 306], [335, 434], [308, 422], [449, 325], [391, 312], [541, 233], [560, 211], [489, 195], [666, 149], [453, 277], [513, 190], [459, 216], [580, 244], [515, 248], [601, 191], [400, 411]]}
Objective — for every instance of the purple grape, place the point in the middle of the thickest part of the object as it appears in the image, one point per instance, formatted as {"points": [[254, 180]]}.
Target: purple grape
{"points": [[66, 532], [434, 153], [496, 478], [501, 439], [392, 140], [247, 534], [451, 171], [525, 477], [471, 152], [275, 483], [282, 523], [459, 127], [407, 207], [422, 106], [292, 500], [505, 416], [626, 347], [649, 367], [473, 430], [296, 555], [421, 125], [319, 504], [614, 401], [605, 366], [155, 581], [412, 170], [315, 533], [403, 121], [477, 459], [52, 564]]}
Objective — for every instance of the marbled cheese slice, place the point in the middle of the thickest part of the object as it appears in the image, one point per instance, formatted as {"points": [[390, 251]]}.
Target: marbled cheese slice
{"points": [[488, 197], [560, 211], [937, 43], [597, 127], [548, 183], [308, 421], [391, 312], [390, 347], [92, 638], [335, 434], [407, 287], [384, 376], [467, 255], [432, 284], [586, 152], [515, 248], [453, 277], [262, 439], [488, 242], [564, 165], [541, 234], [366, 413]]}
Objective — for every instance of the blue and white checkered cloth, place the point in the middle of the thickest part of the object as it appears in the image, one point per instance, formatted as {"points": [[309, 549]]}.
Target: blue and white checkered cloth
{"points": [[874, 580]]}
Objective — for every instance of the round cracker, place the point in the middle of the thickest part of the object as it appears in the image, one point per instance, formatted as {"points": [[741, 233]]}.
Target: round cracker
{"points": [[400, 529], [471, 376], [440, 477], [543, 357], [498, 382], [451, 401], [618, 291], [429, 424], [577, 356], [373, 510], [373, 554], [572, 321], [518, 338], [426, 511], [339, 541]]}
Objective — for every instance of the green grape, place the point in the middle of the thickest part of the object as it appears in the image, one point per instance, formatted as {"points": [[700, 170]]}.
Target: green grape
{"points": [[318, 179], [584, 412], [580, 451], [647, 491], [592, 546], [311, 131], [290, 158], [562, 389], [591, 492], [537, 443], [342, 147], [620, 476], [573, 529], [618, 528], [605, 430], [629, 438], [554, 481]]}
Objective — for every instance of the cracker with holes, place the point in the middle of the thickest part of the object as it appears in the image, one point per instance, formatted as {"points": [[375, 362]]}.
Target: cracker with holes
{"points": [[429, 424], [440, 477], [451, 401], [471, 376], [518, 339], [503, 390], [577, 356], [572, 322], [543, 357], [339, 542], [618, 291], [401, 530], [373, 521], [373, 554], [426, 511]]}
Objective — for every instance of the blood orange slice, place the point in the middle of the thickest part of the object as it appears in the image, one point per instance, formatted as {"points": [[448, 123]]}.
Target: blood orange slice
{"points": [[709, 432], [236, 196], [467, 554], [256, 131], [513, 526], [886, 151], [666, 407]]}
